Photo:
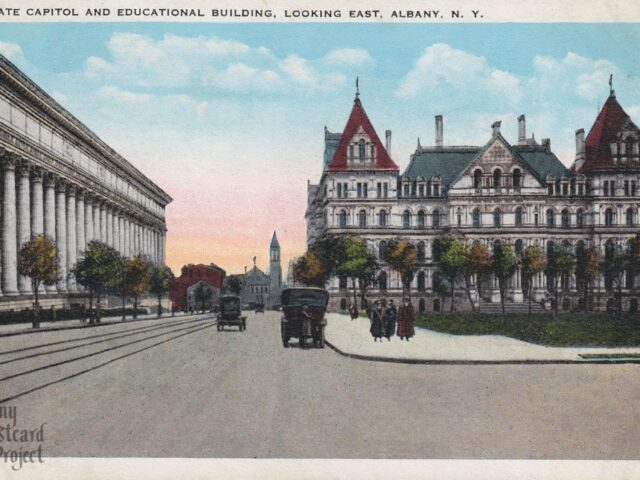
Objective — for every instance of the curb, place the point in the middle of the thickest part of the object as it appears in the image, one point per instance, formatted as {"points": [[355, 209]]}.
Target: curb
{"points": [[419, 361], [86, 325]]}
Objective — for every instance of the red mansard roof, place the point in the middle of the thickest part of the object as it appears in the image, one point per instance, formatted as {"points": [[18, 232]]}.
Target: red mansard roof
{"points": [[611, 119], [357, 119]]}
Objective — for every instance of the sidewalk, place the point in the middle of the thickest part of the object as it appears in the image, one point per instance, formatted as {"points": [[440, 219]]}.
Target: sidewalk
{"points": [[352, 338], [25, 328]]}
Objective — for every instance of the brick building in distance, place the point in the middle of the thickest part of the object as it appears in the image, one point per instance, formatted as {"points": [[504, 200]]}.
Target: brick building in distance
{"points": [[212, 274]]}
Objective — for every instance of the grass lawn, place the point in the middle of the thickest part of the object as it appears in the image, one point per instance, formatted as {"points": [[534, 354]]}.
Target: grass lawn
{"points": [[563, 330]]}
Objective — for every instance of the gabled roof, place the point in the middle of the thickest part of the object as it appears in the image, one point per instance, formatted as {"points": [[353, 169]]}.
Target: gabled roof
{"points": [[357, 119], [446, 163], [543, 162], [609, 122]]}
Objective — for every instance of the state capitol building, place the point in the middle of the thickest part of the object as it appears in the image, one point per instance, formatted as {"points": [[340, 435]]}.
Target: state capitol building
{"points": [[61, 180], [518, 194]]}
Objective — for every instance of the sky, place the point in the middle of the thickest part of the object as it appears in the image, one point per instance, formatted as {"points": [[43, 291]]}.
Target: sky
{"points": [[229, 118]]}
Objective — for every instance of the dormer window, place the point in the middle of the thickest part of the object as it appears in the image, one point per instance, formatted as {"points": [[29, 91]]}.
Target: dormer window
{"points": [[361, 150], [372, 150]]}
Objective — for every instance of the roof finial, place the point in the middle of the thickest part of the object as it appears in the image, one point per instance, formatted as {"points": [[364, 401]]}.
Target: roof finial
{"points": [[418, 147], [357, 88], [611, 90]]}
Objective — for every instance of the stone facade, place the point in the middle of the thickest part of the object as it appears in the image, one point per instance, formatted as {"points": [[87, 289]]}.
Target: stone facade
{"points": [[518, 194], [61, 180]]}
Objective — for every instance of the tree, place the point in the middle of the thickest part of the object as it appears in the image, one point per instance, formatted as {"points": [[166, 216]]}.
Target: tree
{"points": [[353, 259], [451, 259], [613, 267], [234, 284], [477, 264], [560, 263], [135, 278], [401, 256], [533, 262], [504, 264], [37, 260], [588, 267], [202, 294], [99, 271], [309, 270], [159, 279]]}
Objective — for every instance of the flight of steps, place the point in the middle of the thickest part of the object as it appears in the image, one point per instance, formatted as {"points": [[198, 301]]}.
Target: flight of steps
{"points": [[510, 307]]}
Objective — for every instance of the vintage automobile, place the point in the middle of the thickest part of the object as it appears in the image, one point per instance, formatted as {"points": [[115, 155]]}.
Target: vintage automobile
{"points": [[259, 308], [303, 315], [230, 314]]}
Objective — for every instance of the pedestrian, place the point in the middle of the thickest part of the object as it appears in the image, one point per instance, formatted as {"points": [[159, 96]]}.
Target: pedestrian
{"points": [[376, 321], [405, 320], [390, 315], [353, 311]]}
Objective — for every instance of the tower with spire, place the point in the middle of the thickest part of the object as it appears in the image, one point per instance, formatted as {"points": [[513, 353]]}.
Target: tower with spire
{"points": [[275, 270]]}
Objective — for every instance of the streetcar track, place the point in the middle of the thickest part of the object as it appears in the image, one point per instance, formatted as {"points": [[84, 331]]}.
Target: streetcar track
{"points": [[123, 333], [108, 362], [92, 354], [145, 327]]}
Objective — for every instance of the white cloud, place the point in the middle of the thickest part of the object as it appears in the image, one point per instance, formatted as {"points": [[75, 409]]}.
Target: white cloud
{"points": [[11, 50], [357, 57], [124, 96]]}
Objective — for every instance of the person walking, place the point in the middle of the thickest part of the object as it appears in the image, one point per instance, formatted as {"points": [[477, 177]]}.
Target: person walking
{"points": [[376, 322], [405, 320], [390, 315], [353, 311]]}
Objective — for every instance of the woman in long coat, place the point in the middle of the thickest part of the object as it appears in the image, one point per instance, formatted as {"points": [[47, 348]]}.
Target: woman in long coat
{"points": [[376, 322], [390, 315], [405, 320]]}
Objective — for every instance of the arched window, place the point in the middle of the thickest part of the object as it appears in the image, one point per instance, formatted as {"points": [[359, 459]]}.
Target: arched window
{"points": [[518, 217], [421, 282], [382, 218], [420, 252], [477, 179], [343, 304], [608, 217], [420, 219], [497, 218], [565, 218], [551, 218], [435, 219], [382, 249], [580, 218], [342, 283], [518, 247], [382, 281], [629, 148], [406, 219], [459, 217], [342, 219], [517, 178], [361, 150], [497, 178], [436, 304], [629, 217], [476, 217], [362, 218]]}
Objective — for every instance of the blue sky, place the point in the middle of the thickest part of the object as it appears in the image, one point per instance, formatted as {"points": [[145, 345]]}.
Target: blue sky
{"points": [[232, 114]]}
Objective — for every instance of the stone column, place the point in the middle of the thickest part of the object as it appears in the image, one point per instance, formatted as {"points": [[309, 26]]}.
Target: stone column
{"points": [[24, 221], [81, 239], [9, 234], [88, 219], [103, 224], [50, 216], [121, 233], [37, 203], [61, 234], [518, 296], [495, 289], [109, 228], [96, 220], [71, 237]]}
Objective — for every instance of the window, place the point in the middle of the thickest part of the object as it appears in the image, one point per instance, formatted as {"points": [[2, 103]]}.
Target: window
{"points": [[608, 217], [459, 218], [339, 190], [517, 179], [536, 219], [565, 188], [476, 218], [629, 217], [629, 148], [382, 281], [385, 189], [421, 190], [497, 218], [420, 220], [362, 219], [605, 186], [627, 190], [633, 188], [565, 218], [612, 187], [406, 219], [572, 186], [382, 218], [497, 178], [359, 190], [382, 249], [405, 190], [551, 218], [342, 219], [518, 217], [361, 150], [580, 188], [420, 252], [379, 190], [477, 179], [436, 190], [436, 305], [342, 283], [435, 219], [580, 218], [351, 153], [362, 190], [372, 152], [550, 188], [421, 281]]}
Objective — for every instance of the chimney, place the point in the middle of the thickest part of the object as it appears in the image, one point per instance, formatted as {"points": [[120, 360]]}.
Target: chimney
{"points": [[522, 132], [579, 149], [387, 145], [439, 131], [546, 143], [495, 127]]}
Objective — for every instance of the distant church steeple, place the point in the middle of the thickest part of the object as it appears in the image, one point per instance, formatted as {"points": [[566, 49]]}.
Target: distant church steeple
{"points": [[275, 269]]}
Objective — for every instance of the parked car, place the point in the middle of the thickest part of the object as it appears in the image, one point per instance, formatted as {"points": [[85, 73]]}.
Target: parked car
{"points": [[303, 316]]}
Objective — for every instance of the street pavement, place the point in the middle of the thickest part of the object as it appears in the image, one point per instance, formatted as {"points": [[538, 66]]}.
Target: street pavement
{"points": [[179, 388]]}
